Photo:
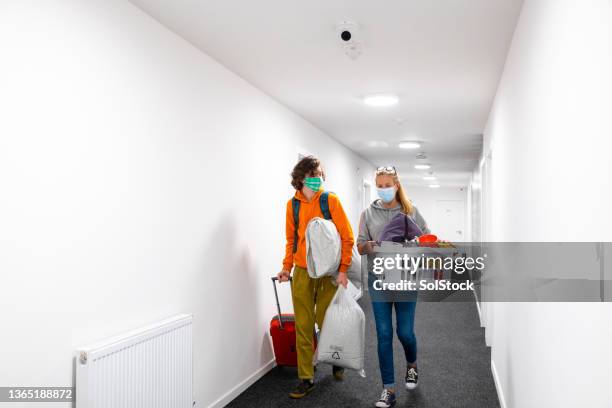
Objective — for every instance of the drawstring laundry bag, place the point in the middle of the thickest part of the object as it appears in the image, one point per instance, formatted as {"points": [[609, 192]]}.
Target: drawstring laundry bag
{"points": [[353, 275], [342, 338], [323, 248], [354, 270], [323, 252]]}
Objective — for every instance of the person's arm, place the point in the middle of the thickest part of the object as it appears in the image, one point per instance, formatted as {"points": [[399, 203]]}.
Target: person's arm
{"points": [[346, 232], [284, 274], [420, 221], [364, 238]]}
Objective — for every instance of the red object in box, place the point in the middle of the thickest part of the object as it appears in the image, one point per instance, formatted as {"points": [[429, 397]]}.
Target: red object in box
{"points": [[428, 240]]}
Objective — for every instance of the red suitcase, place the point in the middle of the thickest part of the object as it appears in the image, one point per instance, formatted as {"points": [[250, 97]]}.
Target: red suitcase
{"points": [[282, 330]]}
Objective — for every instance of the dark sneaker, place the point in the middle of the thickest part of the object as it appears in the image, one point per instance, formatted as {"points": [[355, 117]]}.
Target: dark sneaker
{"points": [[387, 399], [338, 372], [412, 378], [303, 388]]}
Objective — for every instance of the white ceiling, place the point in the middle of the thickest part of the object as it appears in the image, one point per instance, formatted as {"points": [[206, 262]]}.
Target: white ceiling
{"points": [[443, 58]]}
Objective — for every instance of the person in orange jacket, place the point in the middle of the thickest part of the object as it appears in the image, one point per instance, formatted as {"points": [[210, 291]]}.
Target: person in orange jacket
{"points": [[311, 297]]}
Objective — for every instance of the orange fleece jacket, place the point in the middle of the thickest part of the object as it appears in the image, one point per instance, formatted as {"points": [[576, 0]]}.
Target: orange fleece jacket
{"points": [[308, 211]]}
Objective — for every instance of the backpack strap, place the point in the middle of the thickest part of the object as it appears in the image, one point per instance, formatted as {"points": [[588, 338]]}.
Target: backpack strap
{"points": [[324, 203], [295, 204]]}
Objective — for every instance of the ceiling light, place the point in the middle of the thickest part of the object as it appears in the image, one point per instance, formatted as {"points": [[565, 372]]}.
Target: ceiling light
{"points": [[434, 186], [380, 100], [377, 143], [409, 145], [422, 166], [429, 178]]}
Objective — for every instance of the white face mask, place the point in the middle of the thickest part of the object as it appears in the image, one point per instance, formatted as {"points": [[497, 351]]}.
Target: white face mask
{"points": [[386, 194]]}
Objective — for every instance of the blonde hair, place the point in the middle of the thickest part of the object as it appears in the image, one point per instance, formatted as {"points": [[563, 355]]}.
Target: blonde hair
{"points": [[402, 197], [400, 194]]}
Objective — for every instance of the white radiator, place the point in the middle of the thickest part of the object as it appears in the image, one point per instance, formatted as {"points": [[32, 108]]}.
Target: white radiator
{"points": [[146, 368]]}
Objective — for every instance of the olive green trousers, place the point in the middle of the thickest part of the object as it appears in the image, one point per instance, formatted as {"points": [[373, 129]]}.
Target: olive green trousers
{"points": [[310, 300]]}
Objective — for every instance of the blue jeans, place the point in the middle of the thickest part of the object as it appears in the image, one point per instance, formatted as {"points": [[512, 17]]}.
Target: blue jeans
{"points": [[404, 316]]}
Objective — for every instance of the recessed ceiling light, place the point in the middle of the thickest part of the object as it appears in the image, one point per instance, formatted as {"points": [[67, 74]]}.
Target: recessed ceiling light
{"points": [[381, 100], [422, 166], [434, 186], [377, 143], [409, 145], [429, 178]]}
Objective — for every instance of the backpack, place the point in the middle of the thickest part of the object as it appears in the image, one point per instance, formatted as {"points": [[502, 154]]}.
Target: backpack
{"points": [[295, 204]]}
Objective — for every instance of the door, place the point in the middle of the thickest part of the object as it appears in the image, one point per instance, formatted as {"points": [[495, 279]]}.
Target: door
{"points": [[450, 220], [367, 195]]}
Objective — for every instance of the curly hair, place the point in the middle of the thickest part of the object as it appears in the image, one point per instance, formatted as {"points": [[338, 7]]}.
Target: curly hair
{"points": [[302, 169]]}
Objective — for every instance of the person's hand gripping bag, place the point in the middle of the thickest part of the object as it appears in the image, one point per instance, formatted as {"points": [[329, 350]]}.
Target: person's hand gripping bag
{"points": [[342, 338]]}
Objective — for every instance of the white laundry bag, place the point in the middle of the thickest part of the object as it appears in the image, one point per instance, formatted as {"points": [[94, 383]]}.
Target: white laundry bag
{"points": [[353, 275], [342, 338], [353, 290], [354, 271], [323, 248]]}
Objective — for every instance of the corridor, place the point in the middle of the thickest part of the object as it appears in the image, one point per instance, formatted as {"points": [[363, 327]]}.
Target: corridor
{"points": [[455, 367], [162, 160]]}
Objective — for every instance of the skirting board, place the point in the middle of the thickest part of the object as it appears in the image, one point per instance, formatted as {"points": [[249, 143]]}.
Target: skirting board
{"points": [[500, 392], [478, 308], [239, 389]]}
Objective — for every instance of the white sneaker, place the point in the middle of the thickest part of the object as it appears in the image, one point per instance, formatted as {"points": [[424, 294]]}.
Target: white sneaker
{"points": [[412, 378], [387, 399]]}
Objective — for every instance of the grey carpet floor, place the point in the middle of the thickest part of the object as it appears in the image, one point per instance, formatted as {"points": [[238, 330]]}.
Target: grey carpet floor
{"points": [[454, 367]]}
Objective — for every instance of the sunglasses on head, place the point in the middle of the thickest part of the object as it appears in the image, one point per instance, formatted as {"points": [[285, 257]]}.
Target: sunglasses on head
{"points": [[386, 170]]}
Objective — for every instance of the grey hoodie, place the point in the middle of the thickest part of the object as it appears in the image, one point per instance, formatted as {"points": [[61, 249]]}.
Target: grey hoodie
{"points": [[376, 217]]}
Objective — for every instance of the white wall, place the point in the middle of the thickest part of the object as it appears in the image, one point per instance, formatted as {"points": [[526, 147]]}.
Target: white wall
{"points": [[424, 198], [139, 179], [474, 207], [549, 138]]}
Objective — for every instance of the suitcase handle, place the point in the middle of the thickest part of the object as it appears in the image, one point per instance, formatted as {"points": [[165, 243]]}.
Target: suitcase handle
{"points": [[280, 319]]}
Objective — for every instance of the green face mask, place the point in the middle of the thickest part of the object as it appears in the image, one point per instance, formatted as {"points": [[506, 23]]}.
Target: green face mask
{"points": [[313, 183]]}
